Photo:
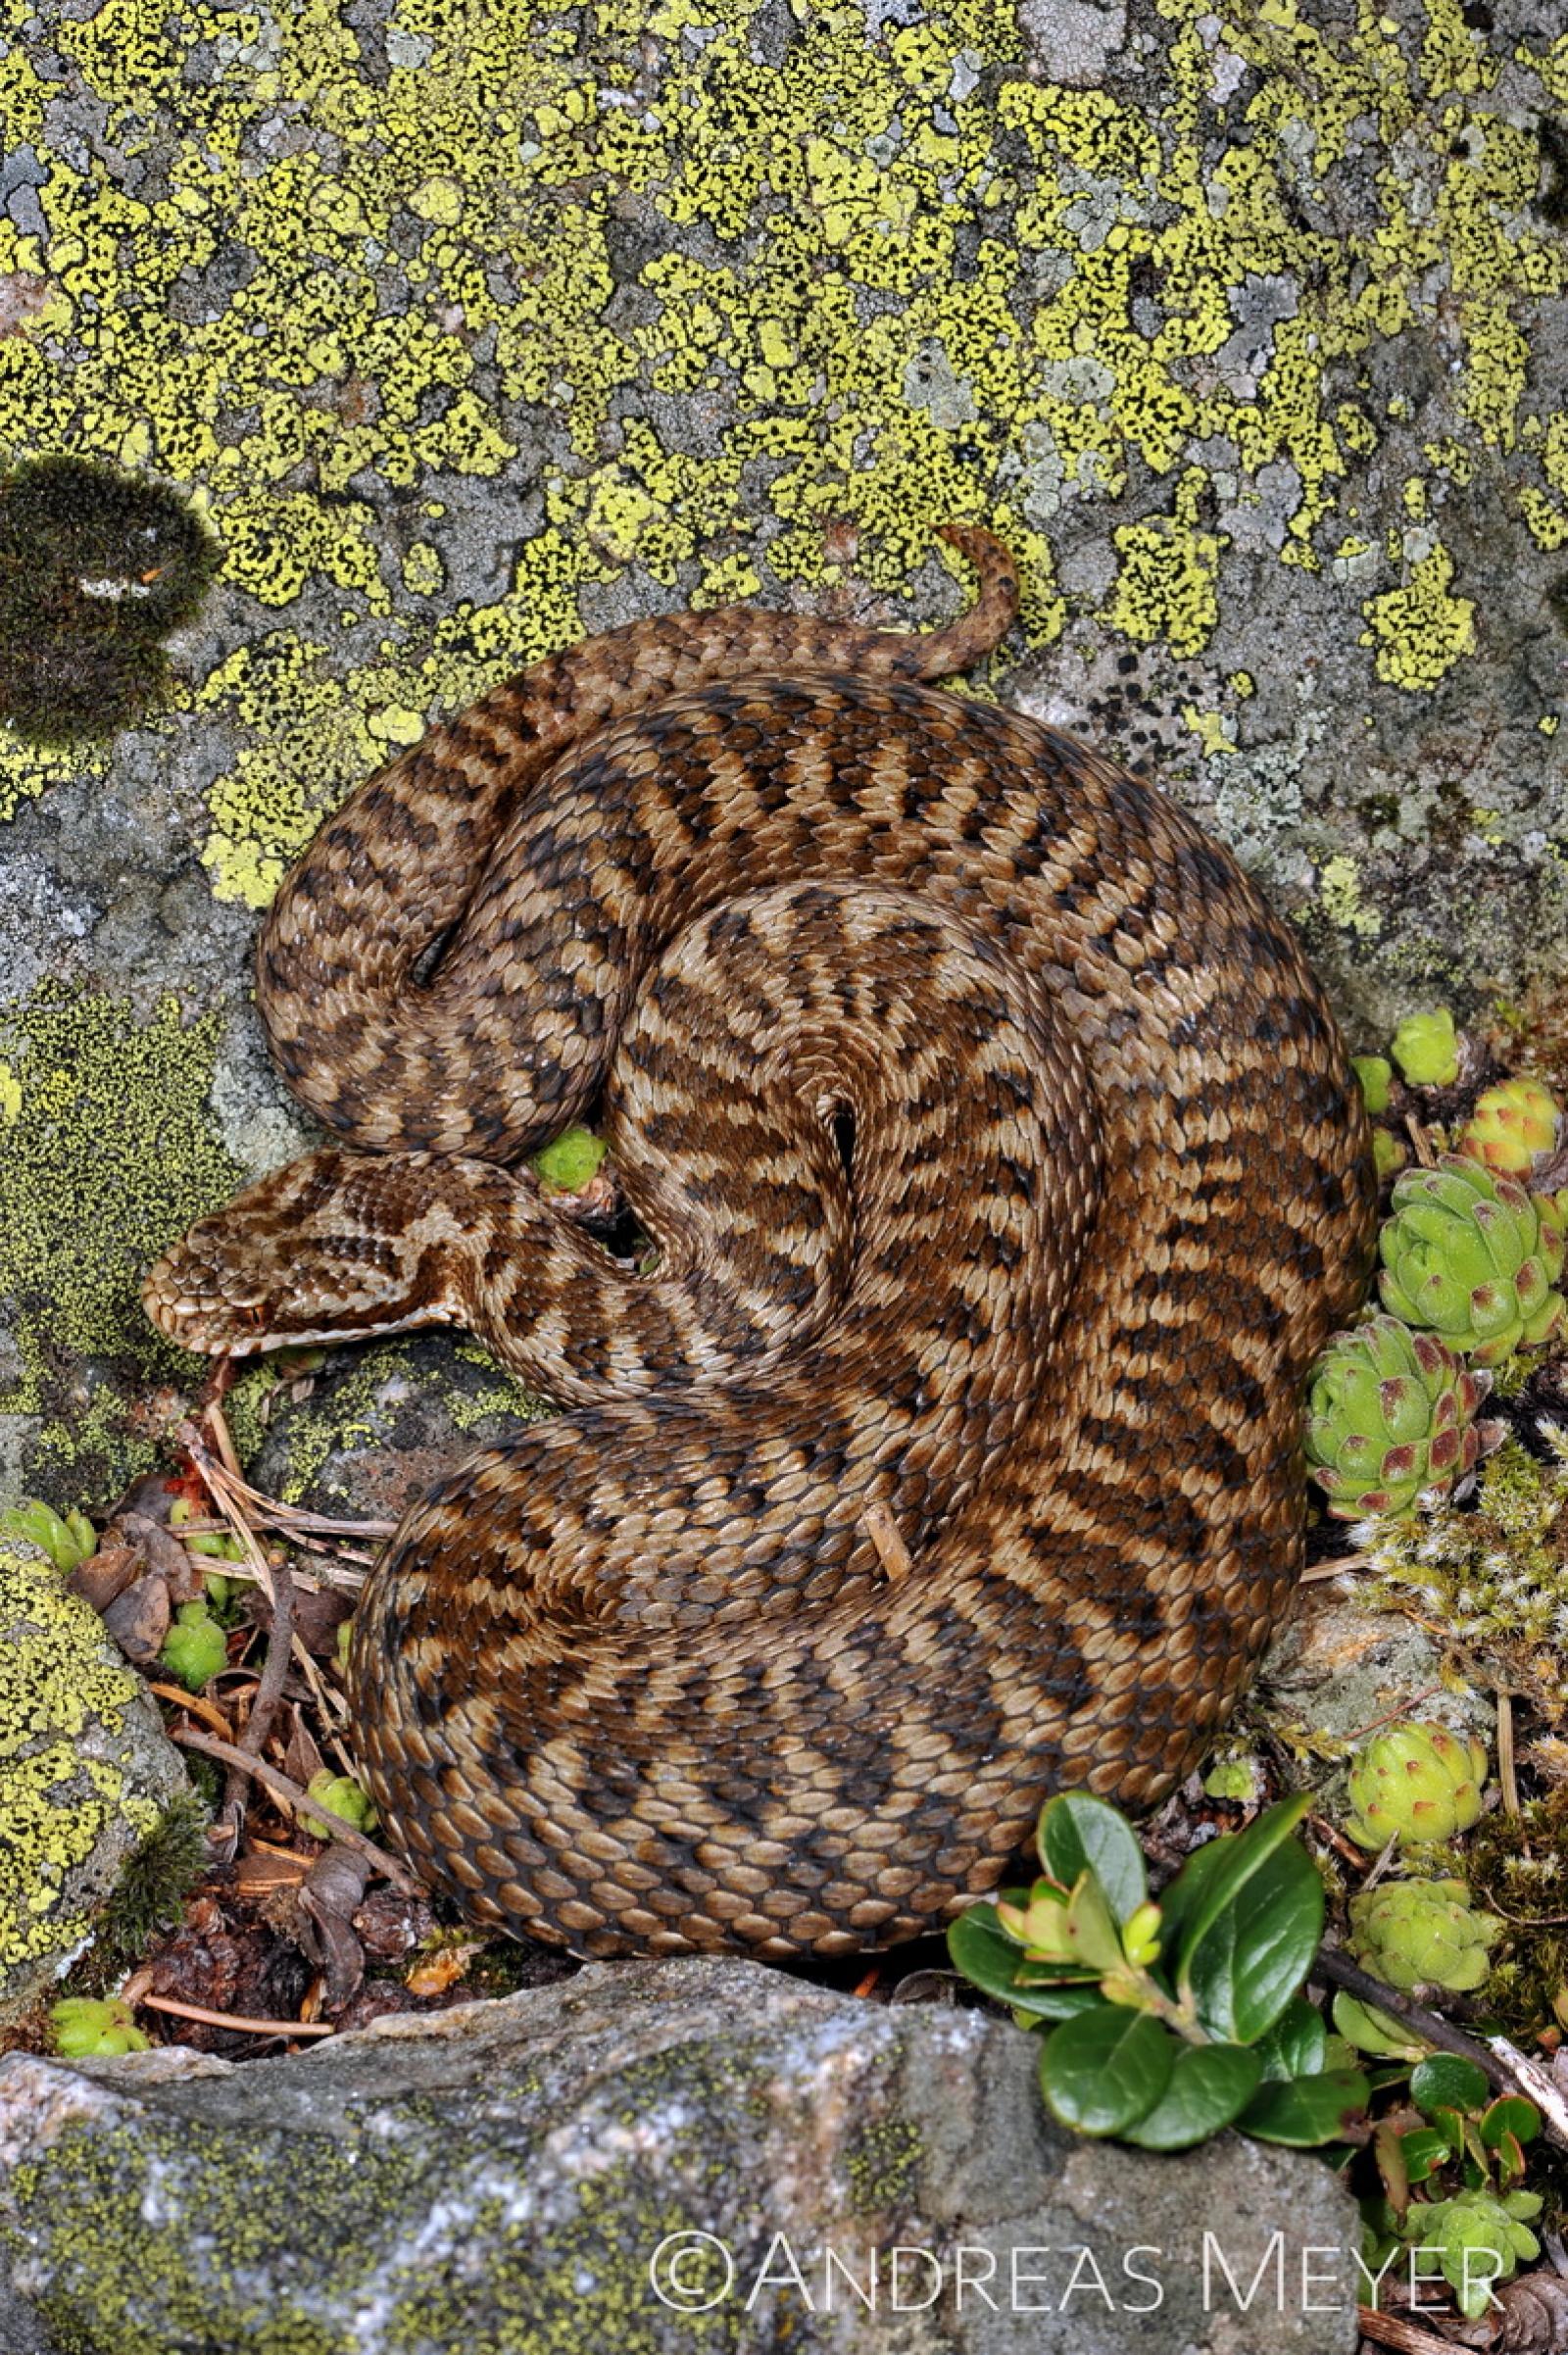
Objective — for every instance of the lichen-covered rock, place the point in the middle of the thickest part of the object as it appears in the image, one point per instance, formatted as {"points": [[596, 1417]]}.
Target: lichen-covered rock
{"points": [[648, 2158], [86, 1773]]}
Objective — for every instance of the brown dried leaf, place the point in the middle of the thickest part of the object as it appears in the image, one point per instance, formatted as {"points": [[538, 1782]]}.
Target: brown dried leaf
{"points": [[105, 1574], [319, 1611], [260, 1873], [163, 1552], [138, 1619], [301, 1760], [333, 1888]]}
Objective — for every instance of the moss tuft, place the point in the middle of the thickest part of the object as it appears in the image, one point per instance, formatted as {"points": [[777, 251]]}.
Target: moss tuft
{"points": [[96, 567], [107, 1156], [1492, 1579]]}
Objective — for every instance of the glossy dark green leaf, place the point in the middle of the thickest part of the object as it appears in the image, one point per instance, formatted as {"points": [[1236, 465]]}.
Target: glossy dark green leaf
{"points": [[1179, 1899], [1078, 1834], [1509, 2113], [1210, 2085], [1241, 1856], [1258, 1945], [1307, 2110], [1107, 2069], [1449, 2081], [1045, 2005], [1298, 2043]]}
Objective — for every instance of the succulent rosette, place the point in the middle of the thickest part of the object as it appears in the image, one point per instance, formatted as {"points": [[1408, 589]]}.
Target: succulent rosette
{"points": [[1473, 1258], [1510, 1124], [1415, 1783], [1391, 1413], [1423, 1934]]}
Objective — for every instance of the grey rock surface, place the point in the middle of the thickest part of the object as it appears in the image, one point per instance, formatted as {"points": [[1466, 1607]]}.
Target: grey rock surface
{"points": [[519, 2175]]}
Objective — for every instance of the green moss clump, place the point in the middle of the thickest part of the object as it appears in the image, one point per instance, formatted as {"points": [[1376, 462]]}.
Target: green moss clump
{"points": [[96, 567], [107, 1152], [1495, 1580], [149, 1894], [1518, 1868]]}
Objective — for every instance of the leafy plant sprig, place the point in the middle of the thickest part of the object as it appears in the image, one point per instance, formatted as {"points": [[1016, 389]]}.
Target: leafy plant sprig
{"points": [[1165, 2022], [1450, 2164]]}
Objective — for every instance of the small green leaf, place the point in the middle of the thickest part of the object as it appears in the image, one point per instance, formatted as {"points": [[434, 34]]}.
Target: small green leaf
{"points": [[1388, 2149], [1308, 2110], [1425, 2152], [1257, 1946], [1449, 2081], [1078, 1834], [1509, 2113], [1091, 1925], [1211, 2085], [1296, 2045], [993, 1962], [1107, 2069]]}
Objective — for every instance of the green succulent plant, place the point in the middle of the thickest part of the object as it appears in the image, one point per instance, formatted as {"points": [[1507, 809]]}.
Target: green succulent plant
{"points": [[1426, 1049], [1510, 1124], [1375, 1073], [1473, 2239], [1391, 1413], [571, 1162], [1415, 1783], [86, 2026], [1473, 1258], [194, 1648], [67, 1542], [1423, 1934], [341, 1797]]}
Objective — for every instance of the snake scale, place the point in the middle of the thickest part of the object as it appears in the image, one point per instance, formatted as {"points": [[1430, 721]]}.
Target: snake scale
{"points": [[1004, 1172]]}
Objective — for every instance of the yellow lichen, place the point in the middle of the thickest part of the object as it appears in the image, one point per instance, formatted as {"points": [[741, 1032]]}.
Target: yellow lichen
{"points": [[1340, 890], [58, 1681], [1420, 630], [943, 277]]}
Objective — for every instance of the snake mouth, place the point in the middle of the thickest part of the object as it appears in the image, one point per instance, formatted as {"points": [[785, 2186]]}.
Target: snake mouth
{"points": [[217, 1325]]}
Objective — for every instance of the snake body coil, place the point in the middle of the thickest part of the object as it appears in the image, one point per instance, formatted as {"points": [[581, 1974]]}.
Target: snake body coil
{"points": [[1006, 1173]]}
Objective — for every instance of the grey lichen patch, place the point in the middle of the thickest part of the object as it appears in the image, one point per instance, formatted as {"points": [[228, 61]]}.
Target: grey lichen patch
{"points": [[882, 2165], [372, 1425], [126, 2279], [509, 2174]]}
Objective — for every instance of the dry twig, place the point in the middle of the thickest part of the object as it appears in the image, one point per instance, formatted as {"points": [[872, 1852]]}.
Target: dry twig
{"points": [[891, 1552], [284, 1786], [235, 2020]]}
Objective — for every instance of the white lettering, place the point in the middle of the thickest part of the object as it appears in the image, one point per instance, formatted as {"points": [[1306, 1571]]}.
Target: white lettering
{"points": [[1273, 2255]]}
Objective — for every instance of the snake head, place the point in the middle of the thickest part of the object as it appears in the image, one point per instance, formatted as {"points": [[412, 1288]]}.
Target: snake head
{"points": [[332, 1246]]}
